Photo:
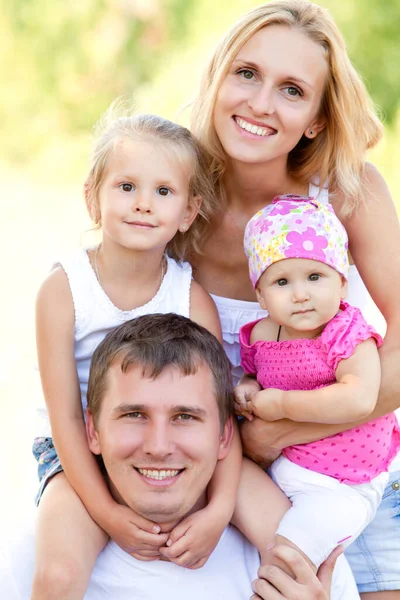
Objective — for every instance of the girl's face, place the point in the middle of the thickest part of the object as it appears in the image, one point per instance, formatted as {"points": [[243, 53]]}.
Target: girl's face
{"points": [[301, 294], [271, 95], [144, 196]]}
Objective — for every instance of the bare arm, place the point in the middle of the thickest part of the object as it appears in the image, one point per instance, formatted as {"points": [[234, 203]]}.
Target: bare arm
{"points": [[374, 235], [55, 346], [353, 397]]}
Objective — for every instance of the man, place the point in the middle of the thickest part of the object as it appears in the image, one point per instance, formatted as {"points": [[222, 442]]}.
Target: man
{"points": [[160, 417]]}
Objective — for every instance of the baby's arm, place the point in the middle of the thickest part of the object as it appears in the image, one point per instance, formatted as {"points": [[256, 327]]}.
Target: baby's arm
{"points": [[353, 397], [55, 324]]}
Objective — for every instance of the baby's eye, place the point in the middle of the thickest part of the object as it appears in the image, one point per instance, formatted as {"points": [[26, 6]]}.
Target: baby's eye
{"points": [[163, 191], [314, 277], [281, 282], [126, 187]]}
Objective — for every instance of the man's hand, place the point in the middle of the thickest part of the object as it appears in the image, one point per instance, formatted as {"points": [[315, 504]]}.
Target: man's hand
{"points": [[192, 541], [275, 584], [135, 534]]}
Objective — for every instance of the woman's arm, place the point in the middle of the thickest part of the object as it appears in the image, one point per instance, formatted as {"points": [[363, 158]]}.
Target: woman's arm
{"points": [[374, 238]]}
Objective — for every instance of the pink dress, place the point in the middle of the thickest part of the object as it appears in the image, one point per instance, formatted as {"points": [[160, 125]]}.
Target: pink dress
{"points": [[354, 456]]}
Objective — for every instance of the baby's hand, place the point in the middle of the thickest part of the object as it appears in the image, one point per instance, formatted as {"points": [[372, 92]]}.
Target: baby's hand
{"points": [[243, 395], [268, 404], [135, 534], [192, 541]]}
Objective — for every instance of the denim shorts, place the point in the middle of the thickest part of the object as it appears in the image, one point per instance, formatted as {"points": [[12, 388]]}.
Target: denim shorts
{"points": [[48, 462], [374, 557]]}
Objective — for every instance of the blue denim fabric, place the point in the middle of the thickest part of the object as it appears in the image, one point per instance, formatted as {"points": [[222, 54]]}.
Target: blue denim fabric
{"points": [[375, 555], [48, 462]]}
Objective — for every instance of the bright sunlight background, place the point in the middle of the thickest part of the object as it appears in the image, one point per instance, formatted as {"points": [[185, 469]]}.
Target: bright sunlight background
{"points": [[62, 64]]}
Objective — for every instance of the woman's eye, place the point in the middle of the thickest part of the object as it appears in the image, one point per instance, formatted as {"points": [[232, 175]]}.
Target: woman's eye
{"points": [[293, 91], [281, 282], [163, 191], [314, 277], [126, 187], [246, 74]]}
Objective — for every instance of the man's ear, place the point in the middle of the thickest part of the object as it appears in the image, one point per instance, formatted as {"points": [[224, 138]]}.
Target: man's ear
{"points": [[91, 433], [226, 439]]}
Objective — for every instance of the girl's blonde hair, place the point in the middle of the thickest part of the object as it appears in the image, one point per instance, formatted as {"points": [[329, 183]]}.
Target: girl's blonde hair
{"points": [[337, 155], [114, 126]]}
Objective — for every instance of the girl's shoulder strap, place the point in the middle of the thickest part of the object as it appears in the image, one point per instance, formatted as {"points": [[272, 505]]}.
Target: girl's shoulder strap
{"points": [[179, 279]]}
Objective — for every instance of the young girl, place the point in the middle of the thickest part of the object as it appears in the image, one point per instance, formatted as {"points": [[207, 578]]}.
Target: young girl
{"points": [[317, 360], [147, 184]]}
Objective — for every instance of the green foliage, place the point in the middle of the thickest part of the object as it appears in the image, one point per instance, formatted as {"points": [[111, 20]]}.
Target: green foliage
{"points": [[64, 62]]}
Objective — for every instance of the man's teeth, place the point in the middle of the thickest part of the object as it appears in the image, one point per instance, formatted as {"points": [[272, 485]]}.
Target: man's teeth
{"points": [[155, 474], [252, 128]]}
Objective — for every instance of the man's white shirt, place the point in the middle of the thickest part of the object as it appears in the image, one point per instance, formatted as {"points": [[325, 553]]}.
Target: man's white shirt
{"points": [[227, 575]]}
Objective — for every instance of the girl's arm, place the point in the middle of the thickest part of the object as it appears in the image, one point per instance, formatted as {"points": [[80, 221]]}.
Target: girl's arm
{"points": [[55, 322], [353, 397], [374, 236], [193, 540]]}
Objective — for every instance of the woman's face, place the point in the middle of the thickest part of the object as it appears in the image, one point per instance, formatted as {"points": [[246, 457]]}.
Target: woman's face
{"points": [[271, 95]]}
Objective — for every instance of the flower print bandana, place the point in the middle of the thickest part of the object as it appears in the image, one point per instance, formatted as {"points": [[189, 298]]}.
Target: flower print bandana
{"points": [[295, 227]]}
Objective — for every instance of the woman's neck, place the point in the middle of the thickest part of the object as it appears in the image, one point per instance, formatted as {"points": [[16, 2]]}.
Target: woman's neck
{"points": [[255, 186]]}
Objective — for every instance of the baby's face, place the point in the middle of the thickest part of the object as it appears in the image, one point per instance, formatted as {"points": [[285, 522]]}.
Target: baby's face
{"points": [[301, 294]]}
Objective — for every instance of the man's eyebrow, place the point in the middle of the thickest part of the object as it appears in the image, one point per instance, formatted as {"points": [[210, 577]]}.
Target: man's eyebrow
{"points": [[125, 408], [190, 409]]}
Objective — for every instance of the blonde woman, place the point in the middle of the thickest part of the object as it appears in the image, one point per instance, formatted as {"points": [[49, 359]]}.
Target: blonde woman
{"points": [[282, 110]]}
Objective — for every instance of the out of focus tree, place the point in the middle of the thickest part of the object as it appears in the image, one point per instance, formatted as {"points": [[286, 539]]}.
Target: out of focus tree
{"points": [[63, 62]]}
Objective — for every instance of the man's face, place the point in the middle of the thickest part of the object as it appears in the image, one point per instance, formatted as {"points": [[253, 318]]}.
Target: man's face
{"points": [[160, 440]]}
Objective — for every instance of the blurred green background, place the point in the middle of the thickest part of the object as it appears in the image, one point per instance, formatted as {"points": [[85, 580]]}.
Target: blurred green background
{"points": [[61, 65]]}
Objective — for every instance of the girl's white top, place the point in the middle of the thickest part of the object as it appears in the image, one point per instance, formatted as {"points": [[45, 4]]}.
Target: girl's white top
{"points": [[96, 315]]}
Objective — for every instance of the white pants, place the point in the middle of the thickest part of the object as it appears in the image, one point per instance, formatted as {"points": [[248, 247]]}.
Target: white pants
{"points": [[324, 512]]}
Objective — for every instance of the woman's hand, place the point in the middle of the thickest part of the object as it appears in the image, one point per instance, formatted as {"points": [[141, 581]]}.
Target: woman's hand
{"points": [[275, 584]]}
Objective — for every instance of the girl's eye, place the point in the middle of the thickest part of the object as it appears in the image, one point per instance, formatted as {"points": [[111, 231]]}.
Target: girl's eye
{"points": [[293, 91], [163, 191], [281, 282], [246, 74], [314, 277], [126, 187]]}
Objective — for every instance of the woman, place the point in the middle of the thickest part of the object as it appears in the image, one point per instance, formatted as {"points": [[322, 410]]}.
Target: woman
{"points": [[282, 110]]}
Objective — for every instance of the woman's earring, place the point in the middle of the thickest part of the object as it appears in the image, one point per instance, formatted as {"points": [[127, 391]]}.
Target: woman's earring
{"points": [[183, 228], [310, 132]]}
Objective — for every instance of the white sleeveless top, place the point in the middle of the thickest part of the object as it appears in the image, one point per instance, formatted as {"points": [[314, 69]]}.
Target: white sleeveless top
{"points": [[236, 313], [96, 315]]}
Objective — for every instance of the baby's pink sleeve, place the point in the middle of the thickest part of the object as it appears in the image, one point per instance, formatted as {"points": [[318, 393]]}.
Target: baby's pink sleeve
{"points": [[343, 334], [247, 350]]}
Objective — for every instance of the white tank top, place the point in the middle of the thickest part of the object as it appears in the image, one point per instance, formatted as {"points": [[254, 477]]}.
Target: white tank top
{"points": [[96, 315]]}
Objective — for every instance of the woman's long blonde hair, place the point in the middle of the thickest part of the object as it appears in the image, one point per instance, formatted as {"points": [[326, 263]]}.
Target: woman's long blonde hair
{"points": [[337, 155]]}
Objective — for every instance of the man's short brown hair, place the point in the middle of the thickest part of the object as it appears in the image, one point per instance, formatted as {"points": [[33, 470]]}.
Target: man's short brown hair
{"points": [[155, 342]]}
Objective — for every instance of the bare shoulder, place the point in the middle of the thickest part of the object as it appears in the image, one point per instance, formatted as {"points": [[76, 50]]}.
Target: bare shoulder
{"points": [[203, 310], [54, 299], [265, 330]]}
